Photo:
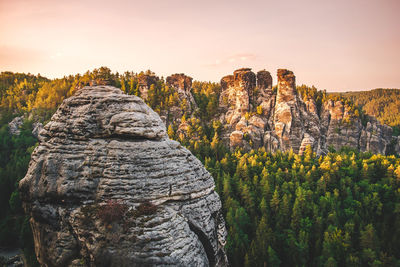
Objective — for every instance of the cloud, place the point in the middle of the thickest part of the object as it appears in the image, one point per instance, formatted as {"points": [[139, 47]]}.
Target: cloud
{"points": [[57, 55], [233, 59]]}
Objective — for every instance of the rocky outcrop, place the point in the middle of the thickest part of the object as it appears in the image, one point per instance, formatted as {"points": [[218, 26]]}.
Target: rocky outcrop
{"points": [[185, 103], [180, 81], [106, 187], [342, 128], [36, 128], [287, 118], [14, 125], [237, 101], [145, 81], [255, 115], [264, 81], [183, 84], [237, 91]]}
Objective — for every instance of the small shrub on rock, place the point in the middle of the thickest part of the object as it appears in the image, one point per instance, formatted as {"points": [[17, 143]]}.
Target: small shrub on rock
{"points": [[112, 211]]}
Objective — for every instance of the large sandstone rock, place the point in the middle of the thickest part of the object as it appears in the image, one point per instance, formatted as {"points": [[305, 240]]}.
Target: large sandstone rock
{"points": [[104, 152], [237, 90], [288, 122], [241, 93]]}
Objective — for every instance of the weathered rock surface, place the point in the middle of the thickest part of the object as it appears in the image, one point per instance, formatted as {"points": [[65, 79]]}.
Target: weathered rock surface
{"points": [[237, 91], [287, 118], [13, 126], [254, 115], [103, 145], [36, 128]]}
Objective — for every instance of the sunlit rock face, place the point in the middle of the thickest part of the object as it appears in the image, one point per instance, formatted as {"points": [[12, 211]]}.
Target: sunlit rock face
{"points": [[237, 91], [237, 101], [255, 115], [288, 124], [106, 187]]}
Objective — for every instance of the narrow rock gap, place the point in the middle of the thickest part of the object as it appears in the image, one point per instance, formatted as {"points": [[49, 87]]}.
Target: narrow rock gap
{"points": [[122, 137], [205, 242]]}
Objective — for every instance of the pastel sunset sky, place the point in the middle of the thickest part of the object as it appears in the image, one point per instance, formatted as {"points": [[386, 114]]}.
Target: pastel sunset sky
{"points": [[338, 45]]}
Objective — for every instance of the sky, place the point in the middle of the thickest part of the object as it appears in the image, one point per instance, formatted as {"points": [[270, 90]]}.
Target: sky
{"points": [[337, 45]]}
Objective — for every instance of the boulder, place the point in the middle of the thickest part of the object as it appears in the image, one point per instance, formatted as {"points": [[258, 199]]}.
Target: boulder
{"points": [[106, 187]]}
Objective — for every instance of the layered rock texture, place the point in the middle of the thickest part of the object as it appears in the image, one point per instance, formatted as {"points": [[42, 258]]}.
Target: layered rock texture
{"points": [[104, 152], [14, 125], [254, 115]]}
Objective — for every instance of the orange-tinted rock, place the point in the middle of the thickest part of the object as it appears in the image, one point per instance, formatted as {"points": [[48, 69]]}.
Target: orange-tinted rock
{"points": [[289, 126], [286, 86], [238, 90], [264, 80], [226, 82], [180, 81], [145, 81]]}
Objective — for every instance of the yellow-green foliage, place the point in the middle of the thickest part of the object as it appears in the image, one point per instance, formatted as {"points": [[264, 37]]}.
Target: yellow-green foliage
{"points": [[282, 209], [384, 104]]}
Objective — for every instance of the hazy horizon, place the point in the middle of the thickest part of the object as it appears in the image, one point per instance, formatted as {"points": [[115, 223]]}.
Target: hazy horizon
{"points": [[337, 46]]}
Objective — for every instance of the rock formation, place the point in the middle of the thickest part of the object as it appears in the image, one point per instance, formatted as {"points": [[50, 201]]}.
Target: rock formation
{"points": [[342, 128], [287, 119], [106, 187], [254, 115], [237, 91], [236, 100], [14, 125], [183, 85], [36, 128], [145, 81], [186, 103]]}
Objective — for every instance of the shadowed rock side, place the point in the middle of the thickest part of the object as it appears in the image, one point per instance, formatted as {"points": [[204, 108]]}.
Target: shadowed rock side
{"points": [[103, 145], [256, 116]]}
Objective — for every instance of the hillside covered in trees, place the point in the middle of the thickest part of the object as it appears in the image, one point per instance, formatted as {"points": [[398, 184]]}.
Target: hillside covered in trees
{"points": [[384, 104], [280, 208]]}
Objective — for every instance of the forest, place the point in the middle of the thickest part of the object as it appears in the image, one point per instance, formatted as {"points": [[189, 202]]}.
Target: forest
{"points": [[281, 209]]}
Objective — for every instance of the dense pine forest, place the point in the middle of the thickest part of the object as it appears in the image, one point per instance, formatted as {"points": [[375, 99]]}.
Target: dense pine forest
{"points": [[281, 209]]}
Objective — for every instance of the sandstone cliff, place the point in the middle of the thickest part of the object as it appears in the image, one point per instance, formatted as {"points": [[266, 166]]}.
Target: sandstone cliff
{"points": [[106, 187], [254, 115]]}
